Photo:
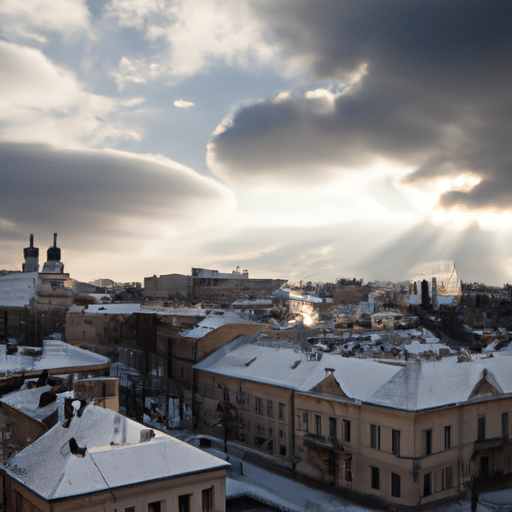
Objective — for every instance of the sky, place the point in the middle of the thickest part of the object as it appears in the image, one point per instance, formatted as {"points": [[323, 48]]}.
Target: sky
{"points": [[298, 139]]}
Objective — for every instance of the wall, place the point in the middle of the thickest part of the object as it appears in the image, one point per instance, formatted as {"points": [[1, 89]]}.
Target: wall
{"points": [[139, 496], [254, 416], [168, 286]]}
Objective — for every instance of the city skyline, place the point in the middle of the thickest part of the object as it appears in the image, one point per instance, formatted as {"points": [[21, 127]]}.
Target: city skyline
{"points": [[297, 140]]}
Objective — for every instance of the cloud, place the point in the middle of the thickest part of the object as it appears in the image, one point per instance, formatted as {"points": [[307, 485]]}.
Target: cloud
{"points": [[191, 37], [34, 19], [421, 85], [105, 200], [43, 102], [183, 104]]}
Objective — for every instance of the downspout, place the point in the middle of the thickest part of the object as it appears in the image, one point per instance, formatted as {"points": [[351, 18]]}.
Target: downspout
{"points": [[293, 429], [461, 444]]}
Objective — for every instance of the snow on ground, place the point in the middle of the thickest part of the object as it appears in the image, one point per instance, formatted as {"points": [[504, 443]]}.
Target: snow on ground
{"points": [[286, 494], [246, 479]]}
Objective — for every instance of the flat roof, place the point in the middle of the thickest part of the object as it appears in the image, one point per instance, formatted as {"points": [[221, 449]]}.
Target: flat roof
{"points": [[56, 356]]}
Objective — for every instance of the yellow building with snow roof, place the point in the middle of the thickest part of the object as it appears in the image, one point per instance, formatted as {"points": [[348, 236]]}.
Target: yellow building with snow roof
{"points": [[390, 432]]}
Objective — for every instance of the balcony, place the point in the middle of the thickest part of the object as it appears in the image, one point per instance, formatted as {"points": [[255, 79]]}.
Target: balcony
{"points": [[316, 441], [487, 445]]}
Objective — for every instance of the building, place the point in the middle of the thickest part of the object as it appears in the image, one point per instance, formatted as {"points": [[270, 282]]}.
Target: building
{"points": [[25, 415], [204, 285], [406, 433], [100, 460], [161, 344], [33, 303]]}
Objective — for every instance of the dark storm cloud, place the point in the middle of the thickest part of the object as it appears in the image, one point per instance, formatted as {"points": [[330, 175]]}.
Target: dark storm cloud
{"points": [[97, 193], [435, 96]]}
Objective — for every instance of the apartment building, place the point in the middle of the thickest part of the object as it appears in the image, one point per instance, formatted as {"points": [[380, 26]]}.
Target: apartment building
{"points": [[403, 433]]}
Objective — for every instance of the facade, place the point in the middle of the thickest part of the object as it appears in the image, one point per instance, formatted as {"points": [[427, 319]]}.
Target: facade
{"points": [[101, 391], [410, 434]]}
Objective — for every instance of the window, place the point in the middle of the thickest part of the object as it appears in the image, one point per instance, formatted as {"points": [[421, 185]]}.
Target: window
{"points": [[282, 449], [427, 489], [447, 478], [258, 405], [318, 425], [348, 469], [375, 436], [395, 441], [184, 503], [395, 485], [504, 425], [427, 441], [447, 437], [155, 506], [346, 431], [481, 428], [305, 421], [207, 499], [281, 407], [375, 477], [129, 509], [332, 428], [270, 406]]}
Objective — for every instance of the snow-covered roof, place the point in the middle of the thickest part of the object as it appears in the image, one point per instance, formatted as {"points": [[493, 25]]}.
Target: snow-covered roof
{"points": [[107, 309], [278, 366], [254, 303], [18, 289], [55, 355], [115, 457], [424, 385], [26, 401], [217, 318], [413, 385], [306, 298]]}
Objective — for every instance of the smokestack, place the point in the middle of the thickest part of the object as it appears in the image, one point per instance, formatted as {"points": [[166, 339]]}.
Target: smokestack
{"points": [[54, 239]]}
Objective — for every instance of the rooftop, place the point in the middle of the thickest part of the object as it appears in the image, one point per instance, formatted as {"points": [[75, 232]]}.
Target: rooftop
{"points": [[116, 455], [215, 319], [412, 385], [53, 356]]}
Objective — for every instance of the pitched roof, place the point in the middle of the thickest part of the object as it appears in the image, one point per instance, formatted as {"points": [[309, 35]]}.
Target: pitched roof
{"points": [[294, 369], [414, 385], [423, 385]]}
